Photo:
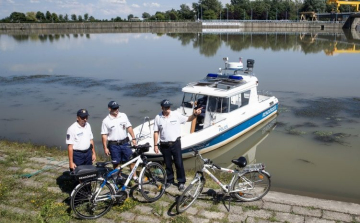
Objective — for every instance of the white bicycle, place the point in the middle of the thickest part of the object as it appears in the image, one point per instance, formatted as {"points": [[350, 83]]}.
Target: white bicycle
{"points": [[250, 183]]}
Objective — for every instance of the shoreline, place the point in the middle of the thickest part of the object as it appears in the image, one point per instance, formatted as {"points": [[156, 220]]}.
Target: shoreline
{"points": [[43, 195], [245, 25]]}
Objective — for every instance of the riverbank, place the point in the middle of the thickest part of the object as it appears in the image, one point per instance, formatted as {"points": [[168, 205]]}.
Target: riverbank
{"points": [[35, 187], [243, 25]]}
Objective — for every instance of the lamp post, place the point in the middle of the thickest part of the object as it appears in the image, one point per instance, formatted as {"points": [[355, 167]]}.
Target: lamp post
{"points": [[227, 14], [251, 13], [276, 14]]}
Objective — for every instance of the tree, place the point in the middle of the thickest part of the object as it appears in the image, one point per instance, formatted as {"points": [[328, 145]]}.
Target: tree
{"points": [[92, 19], [185, 12], [130, 16], [40, 16], [48, 16], [146, 15], [66, 18], [214, 5], [159, 16], [80, 18], [61, 18], [86, 16], [17, 17], [117, 19], [313, 5], [209, 14], [31, 16], [54, 17], [73, 17]]}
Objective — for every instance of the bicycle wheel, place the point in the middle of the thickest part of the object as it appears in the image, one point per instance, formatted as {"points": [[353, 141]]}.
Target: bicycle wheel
{"points": [[190, 194], [83, 201], [152, 181], [252, 185]]}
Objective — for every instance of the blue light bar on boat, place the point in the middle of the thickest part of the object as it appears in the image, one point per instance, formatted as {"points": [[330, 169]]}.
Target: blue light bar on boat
{"points": [[236, 78], [210, 75]]}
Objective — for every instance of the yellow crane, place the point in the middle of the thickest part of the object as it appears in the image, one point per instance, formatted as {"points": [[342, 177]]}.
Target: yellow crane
{"points": [[338, 3], [335, 50]]}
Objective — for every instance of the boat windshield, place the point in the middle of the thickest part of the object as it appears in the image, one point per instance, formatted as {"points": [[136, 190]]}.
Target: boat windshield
{"points": [[218, 105], [194, 100]]}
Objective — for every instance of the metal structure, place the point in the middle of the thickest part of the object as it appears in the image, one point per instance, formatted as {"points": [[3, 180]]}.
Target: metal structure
{"points": [[338, 3]]}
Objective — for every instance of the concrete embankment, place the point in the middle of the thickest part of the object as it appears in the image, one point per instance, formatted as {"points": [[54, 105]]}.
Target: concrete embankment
{"points": [[35, 186], [101, 27]]}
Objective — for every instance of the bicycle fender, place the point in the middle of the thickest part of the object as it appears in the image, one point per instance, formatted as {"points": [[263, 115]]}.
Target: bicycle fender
{"points": [[264, 172]]}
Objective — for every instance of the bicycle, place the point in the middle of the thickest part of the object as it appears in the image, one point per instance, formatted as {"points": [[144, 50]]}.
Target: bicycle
{"points": [[250, 183], [95, 196]]}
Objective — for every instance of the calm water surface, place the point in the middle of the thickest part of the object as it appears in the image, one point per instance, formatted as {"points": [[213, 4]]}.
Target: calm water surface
{"points": [[314, 149]]}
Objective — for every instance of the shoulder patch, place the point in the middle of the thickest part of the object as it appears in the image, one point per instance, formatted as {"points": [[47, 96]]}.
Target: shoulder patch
{"points": [[67, 136]]}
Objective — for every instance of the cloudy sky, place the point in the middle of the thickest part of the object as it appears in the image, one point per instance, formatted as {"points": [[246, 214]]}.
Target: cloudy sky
{"points": [[100, 9]]}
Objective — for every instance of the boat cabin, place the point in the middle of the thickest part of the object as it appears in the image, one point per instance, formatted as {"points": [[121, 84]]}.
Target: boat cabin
{"points": [[220, 95]]}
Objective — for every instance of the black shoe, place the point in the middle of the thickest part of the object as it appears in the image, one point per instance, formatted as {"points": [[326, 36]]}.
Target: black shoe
{"points": [[167, 185], [181, 187]]}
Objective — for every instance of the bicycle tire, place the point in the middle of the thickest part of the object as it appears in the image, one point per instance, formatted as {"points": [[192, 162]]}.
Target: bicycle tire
{"points": [[258, 186], [190, 194], [152, 181], [82, 199]]}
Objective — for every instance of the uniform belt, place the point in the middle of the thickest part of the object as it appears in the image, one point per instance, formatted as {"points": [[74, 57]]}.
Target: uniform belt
{"points": [[82, 151], [119, 142], [169, 143]]}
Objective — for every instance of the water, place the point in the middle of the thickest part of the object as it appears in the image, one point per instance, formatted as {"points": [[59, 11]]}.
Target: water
{"points": [[45, 79]]}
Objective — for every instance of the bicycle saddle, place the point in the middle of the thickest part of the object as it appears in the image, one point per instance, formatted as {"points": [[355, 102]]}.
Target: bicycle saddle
{"points": [[240, 162]]}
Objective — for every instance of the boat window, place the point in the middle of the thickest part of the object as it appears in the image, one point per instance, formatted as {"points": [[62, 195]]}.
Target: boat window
{"points": [[194, 100], [188, 100], [239, 100], [219, 105]]}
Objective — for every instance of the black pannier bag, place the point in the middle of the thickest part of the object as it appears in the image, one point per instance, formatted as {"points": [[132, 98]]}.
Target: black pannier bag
{"points": [[86, 172]]}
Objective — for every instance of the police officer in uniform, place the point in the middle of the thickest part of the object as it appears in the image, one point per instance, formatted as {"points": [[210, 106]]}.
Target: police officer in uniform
{"points": [[114, 131], [167, 124], [79, 139]]}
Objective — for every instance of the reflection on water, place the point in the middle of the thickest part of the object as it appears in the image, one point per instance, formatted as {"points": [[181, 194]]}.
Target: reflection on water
{"points": [[243, 146], [209, 43]]}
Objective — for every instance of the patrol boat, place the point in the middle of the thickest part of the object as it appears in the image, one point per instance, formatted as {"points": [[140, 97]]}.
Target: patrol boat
{"points": [[231, 106]]}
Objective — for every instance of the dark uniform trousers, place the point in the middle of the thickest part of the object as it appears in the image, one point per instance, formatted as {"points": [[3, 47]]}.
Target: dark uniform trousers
{"points": [[169, 152]]}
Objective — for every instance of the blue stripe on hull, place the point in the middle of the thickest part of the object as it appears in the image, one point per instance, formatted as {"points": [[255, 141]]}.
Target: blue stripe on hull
{"points": [[229, 133], [235, 130]]}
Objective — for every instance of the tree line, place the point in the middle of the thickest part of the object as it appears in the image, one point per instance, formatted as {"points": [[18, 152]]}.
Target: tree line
{"points": [[203, 10]]}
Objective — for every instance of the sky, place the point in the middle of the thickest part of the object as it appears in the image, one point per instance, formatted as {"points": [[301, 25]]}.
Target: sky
{"points": [[100, 9]]}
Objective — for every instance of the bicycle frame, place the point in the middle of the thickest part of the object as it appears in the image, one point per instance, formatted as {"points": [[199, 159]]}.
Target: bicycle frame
{"points": [[226, 188], [123, 188]]}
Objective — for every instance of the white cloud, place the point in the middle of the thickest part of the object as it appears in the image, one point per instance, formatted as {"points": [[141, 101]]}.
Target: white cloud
{"points": [[34, 1], [113, 1], [135, 5], [152, 5], [11, 1]]}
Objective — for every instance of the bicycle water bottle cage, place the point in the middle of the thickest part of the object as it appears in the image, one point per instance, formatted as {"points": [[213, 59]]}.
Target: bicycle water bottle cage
{"points": [[240, 162]]}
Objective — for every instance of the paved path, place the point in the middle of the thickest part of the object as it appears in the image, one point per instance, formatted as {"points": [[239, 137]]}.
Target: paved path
{"points": [[274, 207]]}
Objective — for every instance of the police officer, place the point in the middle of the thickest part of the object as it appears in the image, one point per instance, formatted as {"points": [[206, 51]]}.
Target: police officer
{"points": [[167, 124], [79, 139], [115, 141]]}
